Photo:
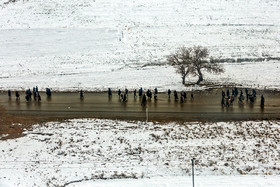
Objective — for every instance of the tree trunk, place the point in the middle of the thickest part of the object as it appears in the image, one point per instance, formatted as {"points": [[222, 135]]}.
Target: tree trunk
{"points": [[200, 77], [183, 79]]}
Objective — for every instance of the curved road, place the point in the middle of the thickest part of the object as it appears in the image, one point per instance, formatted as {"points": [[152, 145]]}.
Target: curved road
{"points": [[205, 107]]}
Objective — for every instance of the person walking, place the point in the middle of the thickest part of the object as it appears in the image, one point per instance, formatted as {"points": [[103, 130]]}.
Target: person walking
{"points": [[109, 92], [134, 93], [192, 97], [119, 93], [17, 95], [262, 101], [169, 93], [81, 94]]}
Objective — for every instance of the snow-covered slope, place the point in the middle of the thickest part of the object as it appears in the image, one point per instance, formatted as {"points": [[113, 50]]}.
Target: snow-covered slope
{"points": [[54, 154], [72, 74], [100, 43], [147, 29]]}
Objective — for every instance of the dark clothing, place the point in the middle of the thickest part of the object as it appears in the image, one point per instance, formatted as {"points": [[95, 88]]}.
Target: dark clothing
{"points": [[254, 93], [182, 98], [144, 100], [262, 101], [124, 98], [35, 96], [140, 92], [247, 94], [169, 92], [175, 95], [185, 95], [227, 101], [227, 93], [27, 98], [119, 92], [149, 94], [235, 91], [81, 94], [240, 99], [251, 98], [156, 91], [109, 92], [134, 92], [48, 92], [223, 101], [17, 94], [231, 99], [223, 94]]}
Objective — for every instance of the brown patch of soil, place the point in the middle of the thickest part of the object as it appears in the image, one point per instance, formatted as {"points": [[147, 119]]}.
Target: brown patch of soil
{"points": [[12, 126]]}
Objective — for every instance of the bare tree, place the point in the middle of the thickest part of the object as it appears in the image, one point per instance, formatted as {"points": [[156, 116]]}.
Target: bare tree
{"points": [[181, 61], [193, 61], [202, 61]]}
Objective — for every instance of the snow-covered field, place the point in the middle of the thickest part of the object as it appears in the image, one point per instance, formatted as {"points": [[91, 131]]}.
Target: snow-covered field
{"points": [[93, 45], [107, 152], [200, 181], [98, 44], [144, 30], [76, 75]]}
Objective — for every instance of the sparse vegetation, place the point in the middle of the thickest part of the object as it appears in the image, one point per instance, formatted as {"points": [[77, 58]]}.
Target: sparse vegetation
{"points": [[193, 61], [119, 151]]}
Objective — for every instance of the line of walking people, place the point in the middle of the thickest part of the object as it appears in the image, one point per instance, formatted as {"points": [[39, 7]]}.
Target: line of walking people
{"points": [[28, 94], [227, 99], [148, 95], [123, 97], [183, 96]]}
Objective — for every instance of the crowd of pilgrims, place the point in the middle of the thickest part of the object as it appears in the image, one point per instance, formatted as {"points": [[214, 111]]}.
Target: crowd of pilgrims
{"points": [[149, 95], [228, 99], [28, 94]]}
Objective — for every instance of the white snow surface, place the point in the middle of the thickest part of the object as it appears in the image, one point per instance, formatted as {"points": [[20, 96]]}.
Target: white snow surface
{"points": [[200, 181], [102, 43], [62, 75], [94, 152], [150, 28]]}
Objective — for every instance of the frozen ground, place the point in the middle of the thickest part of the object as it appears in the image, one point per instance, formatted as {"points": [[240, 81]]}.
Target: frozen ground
{"points": [[200, 181], [145, 30], [80, 73], [102, 151], [94, 45]]}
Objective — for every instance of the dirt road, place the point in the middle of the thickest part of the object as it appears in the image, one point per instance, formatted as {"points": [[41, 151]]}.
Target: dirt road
{"points": [[205, 107]]}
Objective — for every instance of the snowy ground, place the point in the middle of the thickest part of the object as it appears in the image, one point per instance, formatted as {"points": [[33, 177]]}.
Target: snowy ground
{"points": [[200, 181], [94, 45], [101, 151], [145, 30], [62, 76]]}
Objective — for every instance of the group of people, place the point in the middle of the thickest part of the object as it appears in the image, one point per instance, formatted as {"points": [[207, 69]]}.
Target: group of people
{"points": [[28, 94], [36, 94], [183, 96], [148, 95], [228, 99], [16, 93]]}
